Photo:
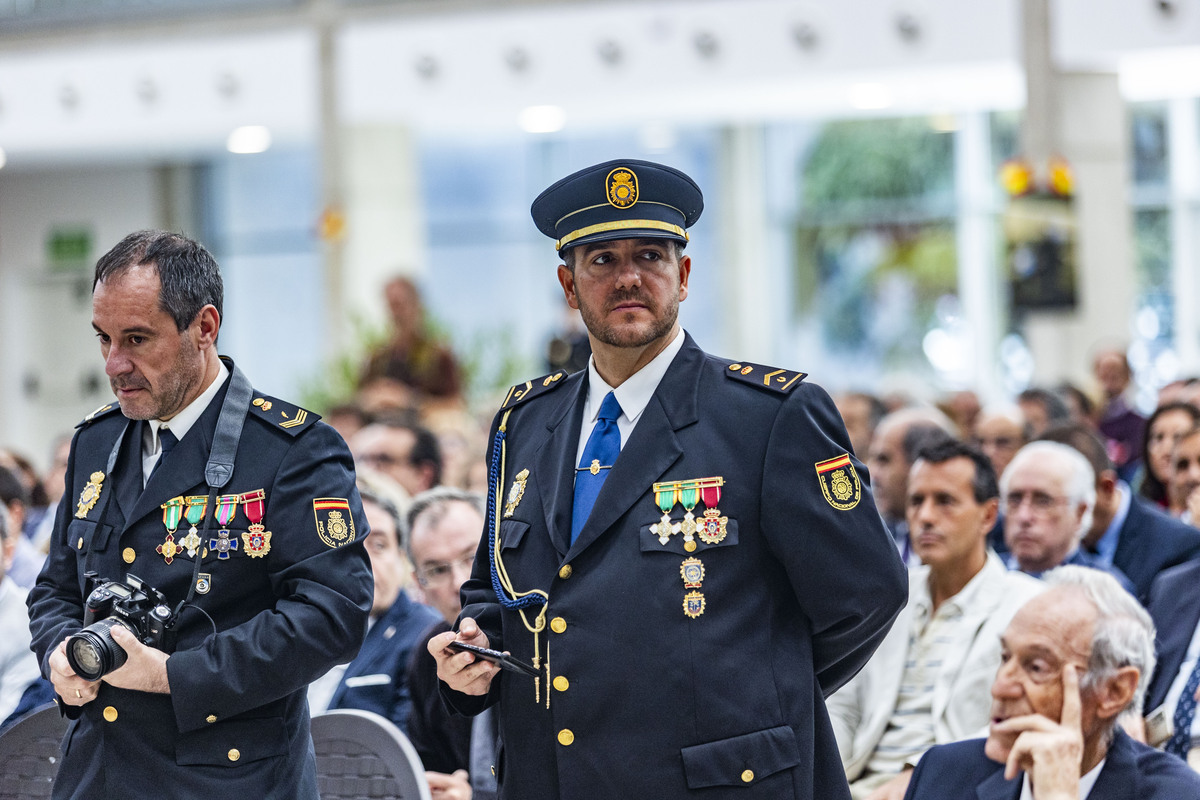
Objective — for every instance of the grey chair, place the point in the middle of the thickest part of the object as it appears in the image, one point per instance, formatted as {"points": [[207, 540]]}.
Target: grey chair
{"points": [[29, 754], [363, 756]]}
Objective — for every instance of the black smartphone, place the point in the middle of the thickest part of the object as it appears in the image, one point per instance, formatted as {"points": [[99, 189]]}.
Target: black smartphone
{"points": [[503, 660]]}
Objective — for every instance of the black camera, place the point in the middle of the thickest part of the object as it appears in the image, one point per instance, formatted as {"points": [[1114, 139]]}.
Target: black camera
{"points": [[92, 653]]}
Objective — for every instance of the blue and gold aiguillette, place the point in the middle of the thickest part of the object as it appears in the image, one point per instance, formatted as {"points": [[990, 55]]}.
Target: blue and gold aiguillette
{"points": [[89, 495], [692, 572], [516, 493], [693, 604]]}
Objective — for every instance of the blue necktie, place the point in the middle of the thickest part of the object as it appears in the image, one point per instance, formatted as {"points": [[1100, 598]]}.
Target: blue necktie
{"points": [[599, 454], [168, 441], [1185, 713]]}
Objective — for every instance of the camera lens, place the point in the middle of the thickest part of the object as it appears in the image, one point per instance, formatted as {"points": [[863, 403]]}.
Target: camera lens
{"points": [[92, 653]]}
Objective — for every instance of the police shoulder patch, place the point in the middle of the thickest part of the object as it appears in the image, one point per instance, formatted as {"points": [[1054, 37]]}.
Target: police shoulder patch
{"points": [[282, 414], [524, 391], [777, 380], [102, 411], [335, 523]]}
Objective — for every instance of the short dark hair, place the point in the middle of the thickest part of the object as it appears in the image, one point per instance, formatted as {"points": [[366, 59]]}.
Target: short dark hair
{"points": [[189, 276], [984, 484], [11, 488], [1054, 406], [922, 435], [390, 509], [1081, 438], [426, 449], [568, 255]]}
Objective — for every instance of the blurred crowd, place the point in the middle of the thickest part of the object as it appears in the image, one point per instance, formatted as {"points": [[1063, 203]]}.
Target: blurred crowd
{"points": [[983, 500]]}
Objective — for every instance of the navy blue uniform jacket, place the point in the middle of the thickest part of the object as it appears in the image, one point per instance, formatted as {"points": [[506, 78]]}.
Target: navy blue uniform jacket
{"points": [[1175, 608], [1151, 541], [653, 702], [236, 720], [1133, 771], [377, 679]]}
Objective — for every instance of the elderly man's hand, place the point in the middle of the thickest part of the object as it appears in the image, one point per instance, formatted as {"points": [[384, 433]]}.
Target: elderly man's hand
{"points": [[893, 789], [463, 672], [1050, 752]]}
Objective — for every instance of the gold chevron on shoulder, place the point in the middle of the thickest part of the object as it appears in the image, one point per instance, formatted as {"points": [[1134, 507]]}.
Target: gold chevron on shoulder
{"points": [[301, 415]]}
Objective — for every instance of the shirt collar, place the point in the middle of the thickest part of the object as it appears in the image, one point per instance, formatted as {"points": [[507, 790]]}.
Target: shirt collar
{"points": [[182, 422], [635, 393], [1106, 548]]}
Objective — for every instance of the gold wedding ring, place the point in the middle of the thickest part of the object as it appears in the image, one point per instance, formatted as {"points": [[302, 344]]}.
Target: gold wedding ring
{"points": [[77, 694]]}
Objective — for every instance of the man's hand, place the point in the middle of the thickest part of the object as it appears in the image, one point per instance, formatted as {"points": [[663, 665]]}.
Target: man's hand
{"points": [[449, 787], [72, 689], [463, 672], [146, 668], [893, 789], [1050, 752]]}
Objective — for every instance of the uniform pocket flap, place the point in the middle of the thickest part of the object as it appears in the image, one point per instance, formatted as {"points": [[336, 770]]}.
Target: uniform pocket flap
{"points": [[741, 760], [724, 534], [511, 533], [234, 742]]}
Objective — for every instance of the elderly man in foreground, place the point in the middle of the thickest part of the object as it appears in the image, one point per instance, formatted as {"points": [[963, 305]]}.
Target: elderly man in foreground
{"points": [[1072, 659]]}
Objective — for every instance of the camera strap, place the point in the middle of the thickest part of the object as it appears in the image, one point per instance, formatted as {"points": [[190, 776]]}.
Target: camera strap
{"points": [[105, 497], [219, 468]]}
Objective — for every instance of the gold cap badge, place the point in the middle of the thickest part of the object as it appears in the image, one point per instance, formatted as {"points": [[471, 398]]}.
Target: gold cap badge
{"points": [[622, 187]]}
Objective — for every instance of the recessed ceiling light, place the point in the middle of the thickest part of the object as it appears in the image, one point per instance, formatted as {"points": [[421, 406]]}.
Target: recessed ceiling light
{"points": [[542, 119], [249, 139]]}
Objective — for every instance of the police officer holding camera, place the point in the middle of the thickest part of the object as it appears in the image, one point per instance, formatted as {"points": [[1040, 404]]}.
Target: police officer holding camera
{"points": [[210, 540]]}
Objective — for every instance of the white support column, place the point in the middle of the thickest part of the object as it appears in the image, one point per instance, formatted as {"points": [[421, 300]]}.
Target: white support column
{"points": [[1184, 147], [746, 279], [979, 287]]}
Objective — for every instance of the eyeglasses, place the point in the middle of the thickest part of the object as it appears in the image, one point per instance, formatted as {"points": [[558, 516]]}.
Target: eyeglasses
{"points": [[1040, 502], [443, 572]]}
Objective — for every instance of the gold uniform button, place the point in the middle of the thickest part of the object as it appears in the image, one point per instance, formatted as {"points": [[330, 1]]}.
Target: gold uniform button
{"points": [[234, 754], [748, 776], [110, 714], [558, 624], [128, 555], [565, 571], [561, 683], [210, 719], [79, 544], [565, 737]]}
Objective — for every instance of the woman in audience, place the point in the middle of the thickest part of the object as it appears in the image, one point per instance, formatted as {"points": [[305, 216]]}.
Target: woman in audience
{"points": [[1168, 422]]}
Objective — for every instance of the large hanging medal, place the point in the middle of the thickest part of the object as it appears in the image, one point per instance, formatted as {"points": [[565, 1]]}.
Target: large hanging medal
{"points": [[665, 495], [226, 507], [195, 508], [172, 514], [89, 495], [712, 526], [257, 538]]}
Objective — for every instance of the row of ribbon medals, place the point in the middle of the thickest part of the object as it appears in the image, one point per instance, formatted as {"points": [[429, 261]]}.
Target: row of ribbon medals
{"points": [[711, 528], [256, 541]]}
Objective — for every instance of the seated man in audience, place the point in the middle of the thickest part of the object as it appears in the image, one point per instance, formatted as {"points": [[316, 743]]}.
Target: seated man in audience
{"points": [[1000, 432], [1048, 493], [893, 449], [1072, 660], [444, 528], [1171, 699], [376, 680], [1127, 532], [927, 682]]}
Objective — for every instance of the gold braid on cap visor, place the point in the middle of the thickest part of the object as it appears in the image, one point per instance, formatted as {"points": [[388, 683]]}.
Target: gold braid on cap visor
{"points": [[621, 225]]}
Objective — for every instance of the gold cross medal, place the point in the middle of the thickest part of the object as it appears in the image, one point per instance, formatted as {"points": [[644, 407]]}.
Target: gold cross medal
{"points": [[689, 494], [89, 495], [665, 495], [172, 514], [518, 491], [196, 507]]}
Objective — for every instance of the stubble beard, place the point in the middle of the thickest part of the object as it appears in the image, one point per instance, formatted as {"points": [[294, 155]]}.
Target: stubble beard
{"points": [[170, 396], [616, 335]]}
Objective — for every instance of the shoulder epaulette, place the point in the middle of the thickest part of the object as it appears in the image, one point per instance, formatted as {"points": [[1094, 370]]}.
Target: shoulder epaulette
{"points": [[281, 414], [777, 380], [103, 410], [523, 391]]}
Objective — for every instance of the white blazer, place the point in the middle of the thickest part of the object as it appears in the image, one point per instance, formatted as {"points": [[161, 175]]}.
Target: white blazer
{"points": [[962, 699]]}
